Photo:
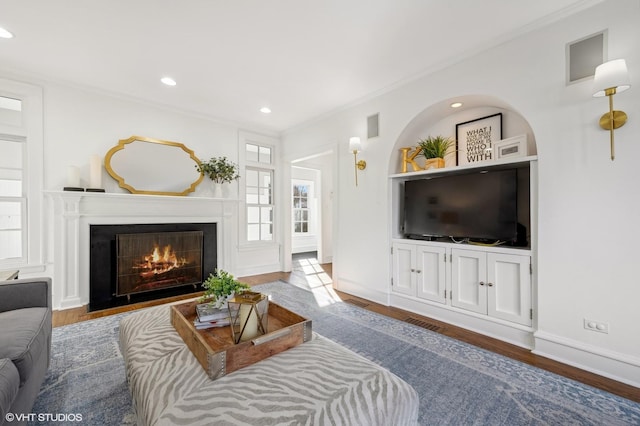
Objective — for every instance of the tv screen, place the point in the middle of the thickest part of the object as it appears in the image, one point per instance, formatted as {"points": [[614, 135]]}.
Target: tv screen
{"points": [[476, 205]]}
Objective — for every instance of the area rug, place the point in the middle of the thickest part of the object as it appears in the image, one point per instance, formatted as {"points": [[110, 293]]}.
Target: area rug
{"points": [[458, 384]]}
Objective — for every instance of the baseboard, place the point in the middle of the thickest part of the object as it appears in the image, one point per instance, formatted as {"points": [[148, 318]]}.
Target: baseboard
{"points": [[304, 249], [70, 302], [326, 259], [257, 270], [514, 334], [352, 287], [613, 365]]}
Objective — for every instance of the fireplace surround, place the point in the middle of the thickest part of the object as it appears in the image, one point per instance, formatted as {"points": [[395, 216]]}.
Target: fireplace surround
{"points": [[73, 214]]}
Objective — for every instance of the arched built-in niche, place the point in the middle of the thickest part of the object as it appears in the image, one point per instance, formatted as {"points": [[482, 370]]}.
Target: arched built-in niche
{"points": [[429, 275], [440, 120]]}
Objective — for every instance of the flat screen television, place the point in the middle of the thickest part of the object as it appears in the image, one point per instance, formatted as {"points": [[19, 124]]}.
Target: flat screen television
{"points": [[480, 205]]}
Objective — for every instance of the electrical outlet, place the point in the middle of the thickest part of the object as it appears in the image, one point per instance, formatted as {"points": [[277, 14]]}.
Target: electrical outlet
{"points": [[600, 327]]}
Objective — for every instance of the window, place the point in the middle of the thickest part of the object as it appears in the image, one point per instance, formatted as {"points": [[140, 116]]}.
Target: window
{"points": [[301, 212], [259, 192], [258, 154], [13, 198], [259, 204], [21, 165]]}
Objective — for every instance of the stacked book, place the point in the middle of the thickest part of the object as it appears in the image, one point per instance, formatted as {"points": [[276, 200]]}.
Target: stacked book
{"points": [[207, 317]]}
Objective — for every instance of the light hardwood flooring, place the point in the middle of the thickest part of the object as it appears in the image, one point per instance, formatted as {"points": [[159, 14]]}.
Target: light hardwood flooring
{"points": [[308, 273]]}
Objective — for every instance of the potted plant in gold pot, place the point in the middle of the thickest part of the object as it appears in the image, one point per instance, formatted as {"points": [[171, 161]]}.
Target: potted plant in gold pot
{"points": [[434, 149]]}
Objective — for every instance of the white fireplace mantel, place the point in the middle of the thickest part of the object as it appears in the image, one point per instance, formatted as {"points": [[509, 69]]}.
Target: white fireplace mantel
{"points": [[74, 212]]}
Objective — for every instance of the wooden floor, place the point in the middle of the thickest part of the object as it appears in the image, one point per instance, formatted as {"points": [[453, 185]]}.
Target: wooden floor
{"points": [[318, 278]]}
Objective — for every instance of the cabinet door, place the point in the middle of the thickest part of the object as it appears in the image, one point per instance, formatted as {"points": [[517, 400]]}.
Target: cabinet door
{"points": [[431, 273], [468, 280], [404, 280], [509, 287]]}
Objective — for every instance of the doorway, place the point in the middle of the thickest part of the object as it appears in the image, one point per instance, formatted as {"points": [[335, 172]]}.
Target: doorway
{"points": [[311, 203]]}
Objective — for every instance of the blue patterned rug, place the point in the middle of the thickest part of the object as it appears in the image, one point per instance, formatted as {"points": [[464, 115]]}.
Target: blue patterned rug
{"points": [[458, 384]]}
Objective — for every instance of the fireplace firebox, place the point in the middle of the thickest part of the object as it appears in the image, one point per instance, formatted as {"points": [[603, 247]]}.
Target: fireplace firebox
{"points": [[138, 262], [153, 261]]}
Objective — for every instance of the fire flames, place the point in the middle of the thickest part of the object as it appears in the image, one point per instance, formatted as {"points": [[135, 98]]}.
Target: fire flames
{"points": [[160, 262]]}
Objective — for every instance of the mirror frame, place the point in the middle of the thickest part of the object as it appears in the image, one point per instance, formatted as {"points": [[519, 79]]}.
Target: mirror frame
{"points": [[121, 180]]}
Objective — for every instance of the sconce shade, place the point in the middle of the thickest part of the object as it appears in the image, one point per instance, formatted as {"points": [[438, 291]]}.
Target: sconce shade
{"points": [[354, 144], [612, 74]]}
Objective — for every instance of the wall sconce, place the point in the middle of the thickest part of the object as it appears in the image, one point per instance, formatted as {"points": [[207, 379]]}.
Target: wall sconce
{"points": [[611, 78], [355, 146]]}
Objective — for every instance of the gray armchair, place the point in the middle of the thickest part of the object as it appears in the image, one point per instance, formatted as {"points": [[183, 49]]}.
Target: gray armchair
{"points": [[25, 342]]}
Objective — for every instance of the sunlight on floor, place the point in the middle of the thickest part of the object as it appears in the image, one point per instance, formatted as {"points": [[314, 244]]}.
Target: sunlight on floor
{"points": [[309, 273]]}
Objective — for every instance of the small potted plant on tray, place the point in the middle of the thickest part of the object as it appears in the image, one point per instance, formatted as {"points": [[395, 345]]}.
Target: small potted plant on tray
{"points": [[434, 149], [221, 286]]}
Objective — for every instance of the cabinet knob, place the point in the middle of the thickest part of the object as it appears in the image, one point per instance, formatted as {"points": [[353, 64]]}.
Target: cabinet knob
{"points": [[490, 284], [418, 270], [413, 270], [481, 282]]}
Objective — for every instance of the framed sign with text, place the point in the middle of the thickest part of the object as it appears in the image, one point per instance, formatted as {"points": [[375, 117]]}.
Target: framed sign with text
{"points": [[475, 139]]}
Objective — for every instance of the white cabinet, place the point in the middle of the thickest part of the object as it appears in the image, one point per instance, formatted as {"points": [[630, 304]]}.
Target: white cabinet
{"points": [[495, 284], [404, 267], [468, 276], [509, 284], [491, 282], [431, 273], [419, 270], [487, 289]]}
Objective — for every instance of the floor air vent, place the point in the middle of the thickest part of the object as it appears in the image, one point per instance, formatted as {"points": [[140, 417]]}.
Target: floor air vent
{"points": [[423, 324], [356, 302]]}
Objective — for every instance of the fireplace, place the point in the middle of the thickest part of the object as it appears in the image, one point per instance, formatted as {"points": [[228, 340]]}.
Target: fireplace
{"points": [[139, 262], [157, 260]]}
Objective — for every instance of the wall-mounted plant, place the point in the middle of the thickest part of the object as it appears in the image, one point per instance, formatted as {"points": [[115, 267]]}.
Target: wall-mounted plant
{"points": [[435, 146], [219, 169]]}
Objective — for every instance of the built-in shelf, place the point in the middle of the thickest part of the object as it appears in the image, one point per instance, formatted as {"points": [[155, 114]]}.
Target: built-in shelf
{"points": [[505, 162], [435, 278]]}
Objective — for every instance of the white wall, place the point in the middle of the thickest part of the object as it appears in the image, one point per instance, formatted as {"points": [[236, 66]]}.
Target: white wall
{"points": [[588, 205], [79, 123], [327, 211]]}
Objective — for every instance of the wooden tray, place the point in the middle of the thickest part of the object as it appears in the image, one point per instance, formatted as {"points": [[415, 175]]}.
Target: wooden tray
{"points": [[214, 347]]}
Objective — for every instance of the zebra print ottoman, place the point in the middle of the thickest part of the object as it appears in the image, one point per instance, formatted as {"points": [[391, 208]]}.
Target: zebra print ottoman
{"points": [[315, 383]]}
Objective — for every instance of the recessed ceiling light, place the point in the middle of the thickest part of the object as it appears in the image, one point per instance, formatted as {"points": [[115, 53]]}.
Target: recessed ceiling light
{"points": [[5, 34], [265, 110], [456, 105], [168, 81]]}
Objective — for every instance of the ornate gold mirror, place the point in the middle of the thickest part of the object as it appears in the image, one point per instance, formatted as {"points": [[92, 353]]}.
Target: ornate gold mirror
{"points": [[149, 166]]}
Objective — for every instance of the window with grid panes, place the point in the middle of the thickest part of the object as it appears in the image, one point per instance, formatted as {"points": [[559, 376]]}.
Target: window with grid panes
{"points": [[13, 199], [259, 193], [301, 207]]}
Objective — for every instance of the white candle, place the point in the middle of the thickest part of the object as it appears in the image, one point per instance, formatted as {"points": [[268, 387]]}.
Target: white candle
{"points": [[95, 172], [251, 329], [73, 176]]}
